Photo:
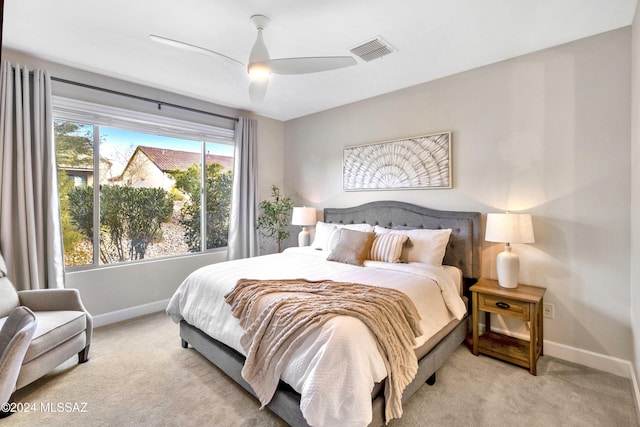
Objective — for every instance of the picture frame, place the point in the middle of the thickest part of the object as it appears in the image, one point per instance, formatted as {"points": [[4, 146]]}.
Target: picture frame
{"points": [[420, 162]]}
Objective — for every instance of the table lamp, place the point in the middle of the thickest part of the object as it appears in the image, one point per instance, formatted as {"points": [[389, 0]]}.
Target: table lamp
{"points": [[303, 216], [508, 228]]}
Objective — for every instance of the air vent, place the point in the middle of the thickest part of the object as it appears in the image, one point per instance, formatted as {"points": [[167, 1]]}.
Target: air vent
{"points": [[373, 49]]}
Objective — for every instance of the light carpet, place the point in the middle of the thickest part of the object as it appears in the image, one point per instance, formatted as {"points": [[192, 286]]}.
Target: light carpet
{"points": [[139, 375]]}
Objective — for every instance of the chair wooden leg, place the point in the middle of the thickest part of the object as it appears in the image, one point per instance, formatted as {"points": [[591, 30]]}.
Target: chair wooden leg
{"points": [[5, 410], [83, 356]]}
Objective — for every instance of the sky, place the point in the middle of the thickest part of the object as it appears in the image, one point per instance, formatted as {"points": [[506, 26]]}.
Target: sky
{"points": [[125, 138], [118, 144]]}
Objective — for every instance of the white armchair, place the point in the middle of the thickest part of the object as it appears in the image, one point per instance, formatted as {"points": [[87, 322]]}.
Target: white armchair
{"points": [[15, 337], [64, 326]]}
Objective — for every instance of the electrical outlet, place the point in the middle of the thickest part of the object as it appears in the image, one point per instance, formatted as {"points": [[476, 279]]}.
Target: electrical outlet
{"points": [[547, 310]]}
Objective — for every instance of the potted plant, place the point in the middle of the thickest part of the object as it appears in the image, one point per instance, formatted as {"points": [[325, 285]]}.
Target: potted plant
{"points": [[274, 219]]}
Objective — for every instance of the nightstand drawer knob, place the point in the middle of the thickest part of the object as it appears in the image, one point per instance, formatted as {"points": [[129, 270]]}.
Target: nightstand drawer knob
{"points": [[503, 305]]}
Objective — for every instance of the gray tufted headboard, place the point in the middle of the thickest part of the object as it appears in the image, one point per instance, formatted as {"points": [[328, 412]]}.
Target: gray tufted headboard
{"points": [[463, 250]]}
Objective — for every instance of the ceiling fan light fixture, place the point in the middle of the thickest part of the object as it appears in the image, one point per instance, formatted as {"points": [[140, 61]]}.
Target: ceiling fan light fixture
{"points": [[259, 59], [259, 70], [260, 66]]}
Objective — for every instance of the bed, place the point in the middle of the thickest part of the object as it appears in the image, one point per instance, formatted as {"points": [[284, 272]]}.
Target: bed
{"points": [[211, 339]]}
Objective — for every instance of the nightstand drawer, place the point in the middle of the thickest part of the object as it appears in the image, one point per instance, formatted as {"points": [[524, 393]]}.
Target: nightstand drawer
{"points": [[505, 306]]}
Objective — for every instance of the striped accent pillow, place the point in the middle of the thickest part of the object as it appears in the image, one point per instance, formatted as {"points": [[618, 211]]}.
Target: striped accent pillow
{"points": [[387, 247]]}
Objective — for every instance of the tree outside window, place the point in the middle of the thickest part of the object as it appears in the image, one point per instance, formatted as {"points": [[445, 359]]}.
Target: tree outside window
{"points": [[149, 194]]}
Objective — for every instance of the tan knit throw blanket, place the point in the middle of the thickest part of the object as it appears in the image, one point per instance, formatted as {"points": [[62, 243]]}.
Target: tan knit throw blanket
{"points": [[278, 315]]}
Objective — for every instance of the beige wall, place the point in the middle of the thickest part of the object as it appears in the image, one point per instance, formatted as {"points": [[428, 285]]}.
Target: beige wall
{"points": [[270, 165], [546, 133], [635, 195]]}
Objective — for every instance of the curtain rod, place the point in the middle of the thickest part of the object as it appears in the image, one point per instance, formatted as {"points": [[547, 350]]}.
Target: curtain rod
{"points": [[142, 98]]}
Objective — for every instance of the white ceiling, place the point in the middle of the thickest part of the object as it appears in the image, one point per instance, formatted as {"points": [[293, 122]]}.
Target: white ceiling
{"points": [[433, 38]]}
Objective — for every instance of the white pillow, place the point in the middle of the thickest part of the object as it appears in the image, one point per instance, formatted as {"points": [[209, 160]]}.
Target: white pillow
{"points": [[387, 247], [424, 245], [367, 228], [324, 234]]}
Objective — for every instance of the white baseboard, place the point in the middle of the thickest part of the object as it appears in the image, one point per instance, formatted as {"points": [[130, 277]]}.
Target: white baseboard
{"points": [[129, 313], [613, 365], [601, 362], [636, 390]]}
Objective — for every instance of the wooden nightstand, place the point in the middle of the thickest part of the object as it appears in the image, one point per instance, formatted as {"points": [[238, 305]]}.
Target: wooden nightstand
{"points": [[524, 303]]}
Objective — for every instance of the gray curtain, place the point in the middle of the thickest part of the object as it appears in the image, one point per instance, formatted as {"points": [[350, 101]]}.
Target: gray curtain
{"points": [[243, 237], [30, 232]]}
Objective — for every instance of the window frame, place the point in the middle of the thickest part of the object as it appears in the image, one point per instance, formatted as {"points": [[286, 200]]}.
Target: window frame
{"points": [[97, 115]]}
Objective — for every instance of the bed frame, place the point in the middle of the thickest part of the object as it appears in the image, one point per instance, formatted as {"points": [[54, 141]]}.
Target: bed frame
{"points": [[463, 251]]}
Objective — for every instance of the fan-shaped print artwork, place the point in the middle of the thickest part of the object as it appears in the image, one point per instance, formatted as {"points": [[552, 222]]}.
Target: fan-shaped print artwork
{"points": [[420, 162]]}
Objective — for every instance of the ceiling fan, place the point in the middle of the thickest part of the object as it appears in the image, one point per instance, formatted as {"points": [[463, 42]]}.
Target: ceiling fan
{"points": [[260, 65]]}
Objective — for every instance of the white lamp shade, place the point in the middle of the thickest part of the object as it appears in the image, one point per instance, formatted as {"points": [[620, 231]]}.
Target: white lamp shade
{"points": [[509, 228], [303, 216]]}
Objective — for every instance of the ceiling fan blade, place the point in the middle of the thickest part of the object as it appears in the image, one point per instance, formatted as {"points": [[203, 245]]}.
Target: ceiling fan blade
{"points": [[193, 48], [258, 90], [310, 64]]}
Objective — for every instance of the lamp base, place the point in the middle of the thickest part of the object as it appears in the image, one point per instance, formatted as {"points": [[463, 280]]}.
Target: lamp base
{"points": [[508, 267], [304, 237]]}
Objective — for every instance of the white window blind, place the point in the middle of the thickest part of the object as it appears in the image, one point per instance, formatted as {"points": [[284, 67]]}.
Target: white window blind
{"points": [[88, 112]]}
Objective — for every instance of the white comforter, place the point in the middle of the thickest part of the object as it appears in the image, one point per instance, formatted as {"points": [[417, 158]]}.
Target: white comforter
{"points": [[336, 368]]}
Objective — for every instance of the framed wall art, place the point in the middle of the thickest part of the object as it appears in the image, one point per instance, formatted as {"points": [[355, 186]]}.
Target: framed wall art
{"points": [[421, 162]]}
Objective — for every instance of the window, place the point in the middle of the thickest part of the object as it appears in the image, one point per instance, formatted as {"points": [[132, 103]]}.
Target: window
{"points": [[132, 185]]}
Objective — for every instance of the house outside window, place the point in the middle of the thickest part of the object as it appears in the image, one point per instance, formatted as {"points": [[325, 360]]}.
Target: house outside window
{"points": [[132, 185]]}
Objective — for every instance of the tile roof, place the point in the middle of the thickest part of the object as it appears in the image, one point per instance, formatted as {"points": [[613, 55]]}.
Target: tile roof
{"points": [[166, 159]]}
